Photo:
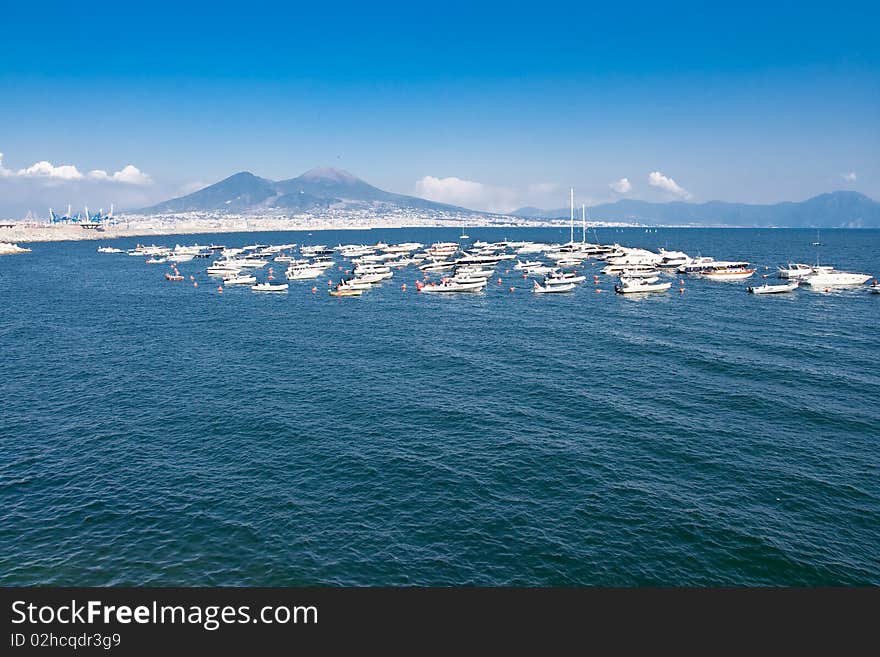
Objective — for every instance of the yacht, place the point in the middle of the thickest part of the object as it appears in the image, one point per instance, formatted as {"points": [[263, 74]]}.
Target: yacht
{"points": [[794, 270], [673, 258], [833, 278]]}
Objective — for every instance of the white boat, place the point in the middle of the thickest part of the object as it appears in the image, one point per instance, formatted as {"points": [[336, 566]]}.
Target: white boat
{"points": [[270, 287], [733, 271], [372, 279], [834, 278], [773, 289], [155, 261], [222, 270], [640, 286], [554, 289], [437, 266], [875, 287], [302, 273], [239, 280], [353, 284], [564, 279], [795, 270], [109, 249], [452, 286]]}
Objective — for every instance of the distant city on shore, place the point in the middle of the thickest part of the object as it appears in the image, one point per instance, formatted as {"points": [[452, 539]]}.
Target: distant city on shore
{"points": [[326, 198]]}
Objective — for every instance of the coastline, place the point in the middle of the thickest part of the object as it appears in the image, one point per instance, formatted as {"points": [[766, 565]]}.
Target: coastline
{"points": [[28, 233]]}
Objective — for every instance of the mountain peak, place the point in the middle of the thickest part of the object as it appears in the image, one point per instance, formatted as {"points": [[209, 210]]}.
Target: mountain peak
{"points": [[328, 174]]}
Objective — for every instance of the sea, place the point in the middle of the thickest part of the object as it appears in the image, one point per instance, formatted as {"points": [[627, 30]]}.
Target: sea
{"points": [[162, 433]]}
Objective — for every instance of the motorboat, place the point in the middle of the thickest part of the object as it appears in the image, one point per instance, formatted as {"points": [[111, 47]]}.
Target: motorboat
{"points": [[303, 272], [728, 271], [372, 279], [773, 289], [553, 289], [155, 261], [173, 277], [875, 287], [452, 286], [795, 270], [346, 292], [109, 249], [673, 259], [353, 284], [222, 270], [270, 286], [833, 278], [437, 266], [239, 280], [641, 286], [564, 278]]}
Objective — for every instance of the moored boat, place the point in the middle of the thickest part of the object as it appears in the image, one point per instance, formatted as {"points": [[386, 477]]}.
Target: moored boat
{"points": [[554, 289], [270, 287], [773, 289]]}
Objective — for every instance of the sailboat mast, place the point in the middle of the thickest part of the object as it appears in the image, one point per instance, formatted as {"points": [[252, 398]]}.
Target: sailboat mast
{"points": [[571, 240], [584, 222]]}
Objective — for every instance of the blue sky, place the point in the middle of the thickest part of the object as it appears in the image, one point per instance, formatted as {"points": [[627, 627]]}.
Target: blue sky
{"points": [[493, 106]]}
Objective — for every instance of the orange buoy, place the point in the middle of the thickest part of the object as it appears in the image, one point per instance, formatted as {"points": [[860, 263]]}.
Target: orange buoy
{"points": [[681, 281], [499, 281], [598, 290], [403, 287], [314, 289], [512, 289], [220, 290], [681, 290], [195, 283]]}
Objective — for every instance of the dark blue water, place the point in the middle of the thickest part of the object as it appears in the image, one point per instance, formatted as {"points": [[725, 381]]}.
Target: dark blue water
{"points": [[157, 433]]}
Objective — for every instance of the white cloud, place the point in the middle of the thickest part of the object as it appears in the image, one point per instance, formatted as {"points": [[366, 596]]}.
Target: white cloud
{"points": [[45, 170], [621, 186], [657, 179], [467, 193], [128, 174], [849, 177]]}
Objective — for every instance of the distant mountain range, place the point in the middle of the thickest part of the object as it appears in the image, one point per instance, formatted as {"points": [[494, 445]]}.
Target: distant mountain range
{"points": [[317, 189], [832, 210], [325, 188]]}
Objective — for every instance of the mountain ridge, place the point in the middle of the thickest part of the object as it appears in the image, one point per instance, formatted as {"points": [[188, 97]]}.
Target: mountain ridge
{"points": [[838, 209], [317, 188]]}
